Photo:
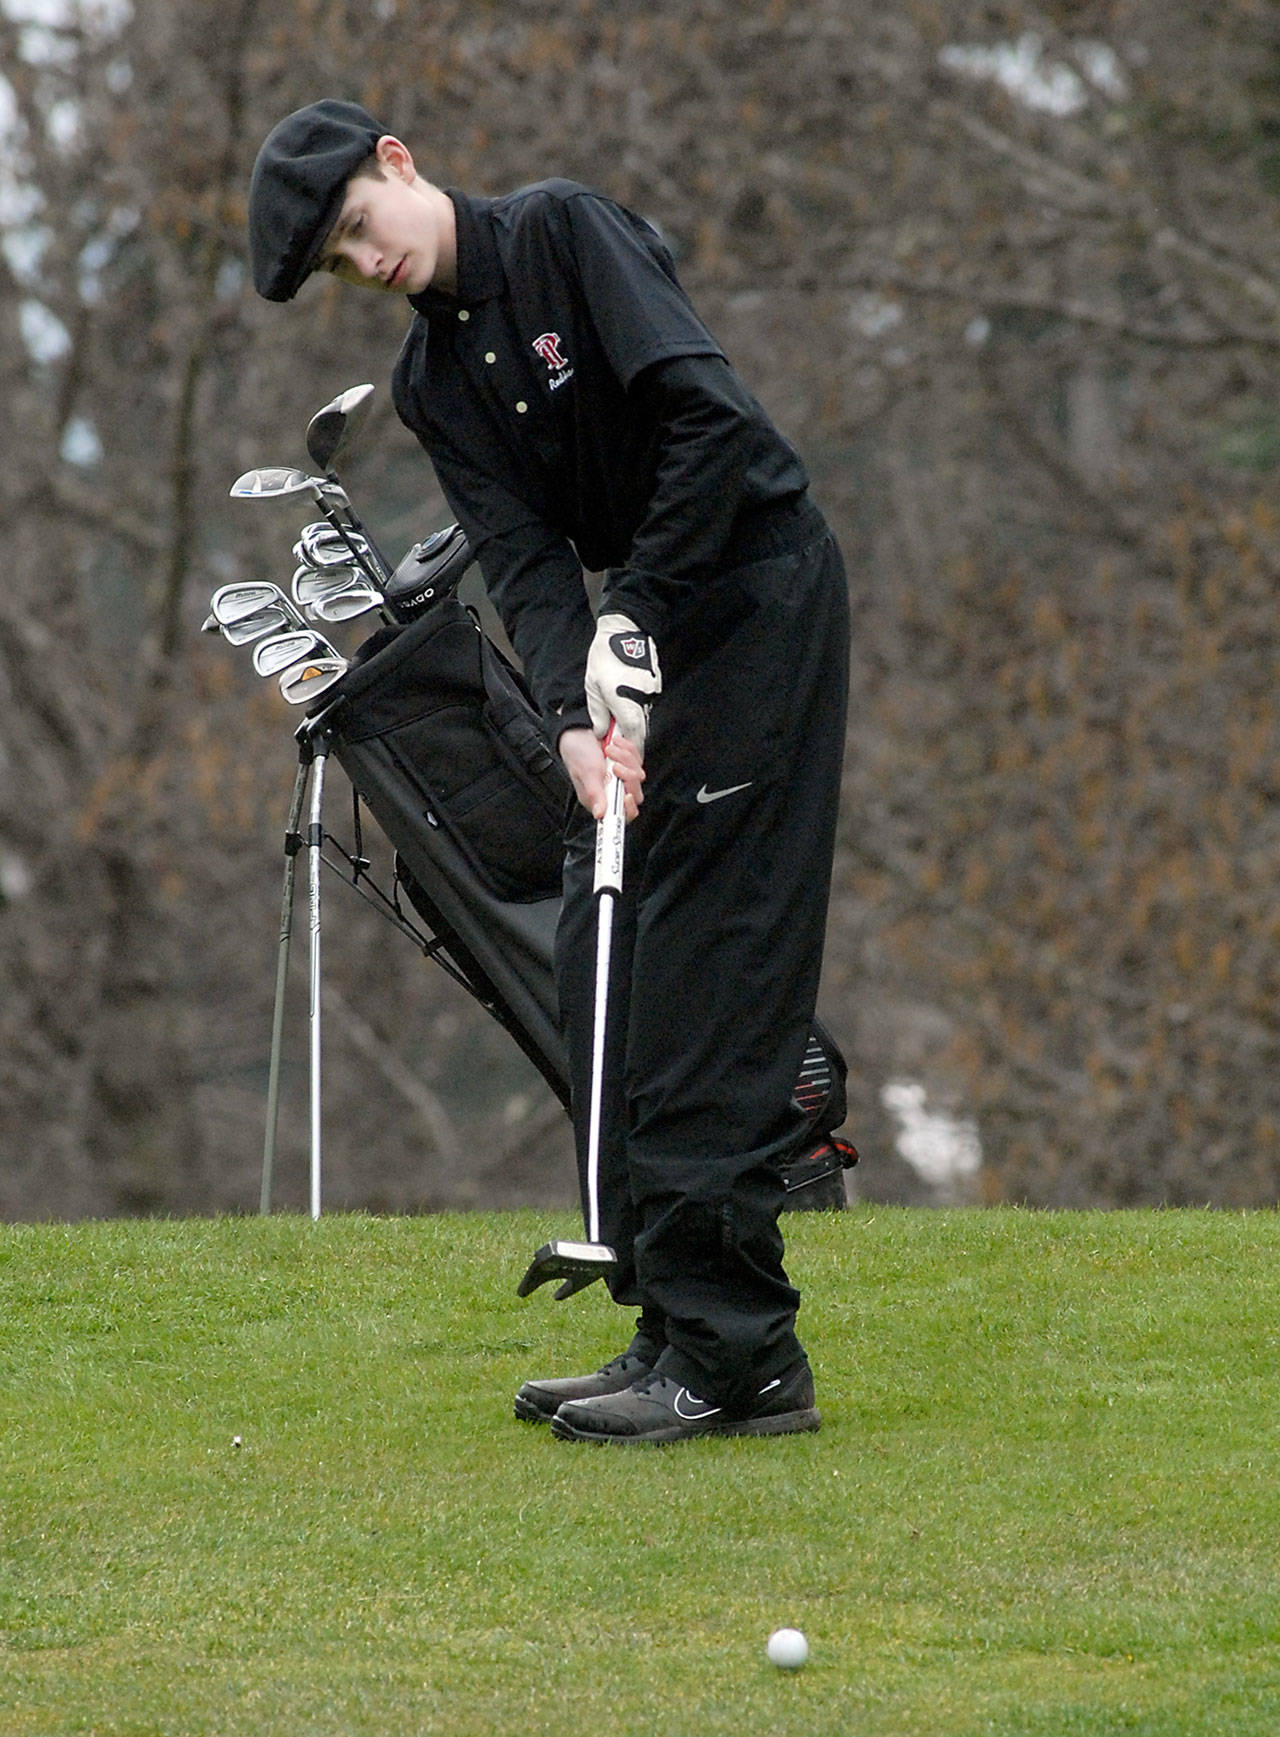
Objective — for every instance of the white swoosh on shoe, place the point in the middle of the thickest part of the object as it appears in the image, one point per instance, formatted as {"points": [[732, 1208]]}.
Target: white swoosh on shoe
{"points": [[705, 1410]]}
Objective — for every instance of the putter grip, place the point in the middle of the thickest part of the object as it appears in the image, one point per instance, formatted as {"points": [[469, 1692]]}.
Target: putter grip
{"points": [[611, 833]]}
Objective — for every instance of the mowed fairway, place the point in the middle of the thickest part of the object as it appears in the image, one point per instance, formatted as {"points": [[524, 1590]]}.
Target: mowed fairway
{"points": [[1045, 1499]]}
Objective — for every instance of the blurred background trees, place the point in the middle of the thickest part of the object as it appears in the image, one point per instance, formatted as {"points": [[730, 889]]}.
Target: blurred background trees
{"points": [[1007, 274]]}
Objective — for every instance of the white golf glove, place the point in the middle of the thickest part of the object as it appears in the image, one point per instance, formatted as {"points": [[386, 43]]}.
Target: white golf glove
{"points": [[622, 678]]}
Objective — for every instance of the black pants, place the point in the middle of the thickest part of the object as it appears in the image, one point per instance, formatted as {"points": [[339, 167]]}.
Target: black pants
{"points": [[717, 949]]}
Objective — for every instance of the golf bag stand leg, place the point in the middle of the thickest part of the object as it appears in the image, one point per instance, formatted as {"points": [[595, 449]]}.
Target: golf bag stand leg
{"points": [[315, 843], [292, 845]]}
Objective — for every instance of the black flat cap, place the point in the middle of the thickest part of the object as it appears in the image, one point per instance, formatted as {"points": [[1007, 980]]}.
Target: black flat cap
{"points": [[299, 183]]}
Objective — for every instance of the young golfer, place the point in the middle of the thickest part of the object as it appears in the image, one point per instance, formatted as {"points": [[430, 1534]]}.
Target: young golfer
{"points": [[580, 416]]}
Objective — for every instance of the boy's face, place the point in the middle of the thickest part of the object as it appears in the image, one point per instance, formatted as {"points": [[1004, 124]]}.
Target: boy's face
{"points": [[387, 233]]}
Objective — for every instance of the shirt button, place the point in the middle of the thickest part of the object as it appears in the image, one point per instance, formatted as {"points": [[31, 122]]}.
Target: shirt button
{"points": [[464, 314], [521, 407], [489, 356]]}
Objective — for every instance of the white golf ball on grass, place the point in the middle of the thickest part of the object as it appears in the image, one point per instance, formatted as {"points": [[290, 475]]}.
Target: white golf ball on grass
{"points": [[787, 1648]]}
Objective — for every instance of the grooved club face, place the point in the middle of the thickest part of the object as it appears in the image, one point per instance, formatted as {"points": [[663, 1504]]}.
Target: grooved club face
{"points": [[251, 610], [305, 681], [345, 605], [286, 649]]}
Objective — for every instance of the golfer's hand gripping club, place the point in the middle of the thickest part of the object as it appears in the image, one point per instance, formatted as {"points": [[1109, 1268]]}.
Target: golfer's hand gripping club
{"points": [[623, 678], [611, 834]]}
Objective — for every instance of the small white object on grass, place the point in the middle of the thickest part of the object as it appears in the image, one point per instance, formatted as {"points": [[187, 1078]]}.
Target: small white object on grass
{"points": [[787, 1648]]}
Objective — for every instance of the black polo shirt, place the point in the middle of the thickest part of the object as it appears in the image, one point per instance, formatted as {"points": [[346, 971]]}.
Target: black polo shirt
{"points": [[579, 414]]}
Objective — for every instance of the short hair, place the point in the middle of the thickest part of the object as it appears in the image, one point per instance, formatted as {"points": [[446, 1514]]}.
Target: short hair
{"points": [[371, 168]]}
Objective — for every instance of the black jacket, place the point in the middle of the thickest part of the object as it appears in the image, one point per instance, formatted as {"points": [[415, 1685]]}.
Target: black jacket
{"points": [[580, 415]]}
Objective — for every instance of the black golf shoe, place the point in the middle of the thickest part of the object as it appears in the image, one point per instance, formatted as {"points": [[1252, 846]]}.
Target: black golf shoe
{"points": [[538, 1401], [659, 1409]]}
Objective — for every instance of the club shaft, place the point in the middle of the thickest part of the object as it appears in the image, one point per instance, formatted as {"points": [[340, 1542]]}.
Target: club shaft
{"points": [[610, 839], [604, 947], [373, 563]]}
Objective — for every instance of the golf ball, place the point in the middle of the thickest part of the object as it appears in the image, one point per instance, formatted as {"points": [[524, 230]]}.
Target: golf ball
{"points": [[787, 1648]]}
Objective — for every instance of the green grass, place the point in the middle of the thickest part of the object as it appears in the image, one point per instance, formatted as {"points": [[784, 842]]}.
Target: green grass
{"points": [[1045, 1499]]}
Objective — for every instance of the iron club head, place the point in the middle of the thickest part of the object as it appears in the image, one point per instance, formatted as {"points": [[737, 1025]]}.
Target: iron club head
{"points": [[283, 650], [356, 599], [304, 681], [250, 609], [257, 626], [325, 545]]}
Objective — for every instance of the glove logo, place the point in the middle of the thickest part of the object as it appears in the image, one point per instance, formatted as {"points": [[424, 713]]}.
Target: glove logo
{"points": [[622, 677]]}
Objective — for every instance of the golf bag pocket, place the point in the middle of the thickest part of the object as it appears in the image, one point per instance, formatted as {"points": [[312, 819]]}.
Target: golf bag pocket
{"points": [[453, 718]]}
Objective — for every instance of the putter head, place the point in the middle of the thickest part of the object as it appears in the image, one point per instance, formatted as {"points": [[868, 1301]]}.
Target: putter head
{"points": [[575, 1264]]}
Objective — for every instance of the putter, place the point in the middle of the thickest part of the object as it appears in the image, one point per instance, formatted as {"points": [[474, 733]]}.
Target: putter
{"points": [[431, 570], [578, 1264]]}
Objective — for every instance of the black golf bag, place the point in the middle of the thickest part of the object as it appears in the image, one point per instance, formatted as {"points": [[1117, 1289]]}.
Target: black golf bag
{"points": [[443, 745]]}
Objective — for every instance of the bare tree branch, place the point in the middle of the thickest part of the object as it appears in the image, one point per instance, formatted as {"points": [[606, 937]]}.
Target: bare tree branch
{"points": [[1042, 175], [425, 1103], [999, 299]]}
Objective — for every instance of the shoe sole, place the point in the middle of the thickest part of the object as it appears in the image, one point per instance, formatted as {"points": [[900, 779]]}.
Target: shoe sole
{"points": [[785, 1423]]}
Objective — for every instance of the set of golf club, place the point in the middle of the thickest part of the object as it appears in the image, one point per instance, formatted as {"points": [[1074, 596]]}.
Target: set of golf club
{"points": [[331, 580], [340, 574], [284, 644]]}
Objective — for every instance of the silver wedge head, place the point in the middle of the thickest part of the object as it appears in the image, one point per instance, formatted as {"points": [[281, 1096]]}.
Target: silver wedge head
{"points": [[306, 681]]}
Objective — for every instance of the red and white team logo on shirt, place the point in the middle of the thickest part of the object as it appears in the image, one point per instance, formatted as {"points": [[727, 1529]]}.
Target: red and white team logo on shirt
{"points": [[548, 347]]}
